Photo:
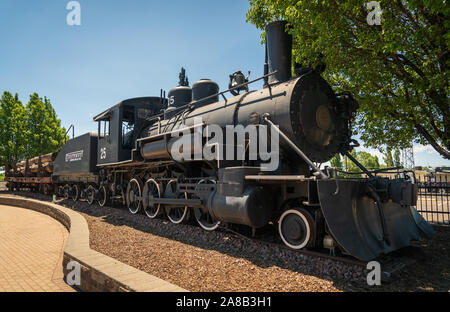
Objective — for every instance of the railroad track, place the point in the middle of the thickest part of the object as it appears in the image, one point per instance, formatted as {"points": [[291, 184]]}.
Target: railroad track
{"points": [[390, 264], [307, 252]]}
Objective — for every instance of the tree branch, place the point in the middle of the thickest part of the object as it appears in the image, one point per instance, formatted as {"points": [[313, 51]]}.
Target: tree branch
{"points": [[411, 64], [422, 131], [432, 141]]}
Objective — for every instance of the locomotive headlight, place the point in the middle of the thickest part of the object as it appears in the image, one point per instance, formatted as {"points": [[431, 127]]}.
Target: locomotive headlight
{"points": [[316, 118]]}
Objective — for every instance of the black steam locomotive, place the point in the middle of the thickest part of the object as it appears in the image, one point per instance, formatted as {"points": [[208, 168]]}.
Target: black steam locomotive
{"points": [[131, 159]]}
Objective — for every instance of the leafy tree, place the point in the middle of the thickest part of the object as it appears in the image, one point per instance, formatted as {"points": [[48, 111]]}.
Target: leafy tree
{"points": [[12, 129], [397, 161], [366, 159], [336, 162], [398, 71], [26, 132], [391, 157], [388, 159], [43, 127]]}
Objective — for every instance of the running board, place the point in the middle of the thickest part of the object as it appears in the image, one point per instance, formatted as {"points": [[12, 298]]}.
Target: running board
{"points": [[192, 203]]}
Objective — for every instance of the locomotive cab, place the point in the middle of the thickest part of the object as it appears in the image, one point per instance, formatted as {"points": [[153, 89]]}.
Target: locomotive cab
{"points": [[120, 126]]}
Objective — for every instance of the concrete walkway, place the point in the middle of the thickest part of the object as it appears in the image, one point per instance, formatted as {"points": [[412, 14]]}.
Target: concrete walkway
{"points": [[98, 272], [31, 251]]}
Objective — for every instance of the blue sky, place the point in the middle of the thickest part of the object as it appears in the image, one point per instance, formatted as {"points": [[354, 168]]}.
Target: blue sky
{"points": [[125, 49]]}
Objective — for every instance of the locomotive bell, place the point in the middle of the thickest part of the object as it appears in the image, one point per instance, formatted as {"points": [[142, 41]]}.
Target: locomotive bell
{"points": [[237, 80]]}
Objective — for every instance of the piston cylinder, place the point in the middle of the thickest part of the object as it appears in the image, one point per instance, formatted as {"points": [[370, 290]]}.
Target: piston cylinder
{"points": [[252, 208]]}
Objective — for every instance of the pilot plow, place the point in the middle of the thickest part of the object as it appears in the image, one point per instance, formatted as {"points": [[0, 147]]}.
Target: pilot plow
{"points": [[372, 217]]}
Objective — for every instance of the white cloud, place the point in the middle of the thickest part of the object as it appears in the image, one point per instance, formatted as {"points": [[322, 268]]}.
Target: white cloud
{"points": [[424, 148], [377, 153]]}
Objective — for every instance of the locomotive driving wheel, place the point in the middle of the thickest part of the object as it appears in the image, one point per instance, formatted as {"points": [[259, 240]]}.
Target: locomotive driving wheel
{"points": [[66, 191], [134, 195], [151, 190], [61, 191], [75, 192], [90, 194], [202, 215], [296, 228], [176, 215], [103, 196]]}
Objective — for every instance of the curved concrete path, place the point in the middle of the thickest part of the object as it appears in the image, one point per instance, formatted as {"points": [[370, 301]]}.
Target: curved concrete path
{"points": [[31, 251], [98, 272]]}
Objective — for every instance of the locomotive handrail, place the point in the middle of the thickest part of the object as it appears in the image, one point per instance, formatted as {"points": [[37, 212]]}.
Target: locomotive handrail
{"points": [[398, 171], [229, 90], [161, 135], [382, 170], [73, 133], [193, 104]]}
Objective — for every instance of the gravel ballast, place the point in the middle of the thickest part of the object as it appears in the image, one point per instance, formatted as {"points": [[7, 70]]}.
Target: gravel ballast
{"points": [[197, 260]]}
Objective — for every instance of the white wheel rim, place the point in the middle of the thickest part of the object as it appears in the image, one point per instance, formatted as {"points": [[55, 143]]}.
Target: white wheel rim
{"points": [[185, 210], [103, 202], [138, 207], [308, 229], [205, 227], [153, 215]]}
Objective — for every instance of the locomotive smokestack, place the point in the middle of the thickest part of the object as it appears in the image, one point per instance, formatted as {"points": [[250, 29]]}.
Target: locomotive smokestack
{"points": [[278, 51]]}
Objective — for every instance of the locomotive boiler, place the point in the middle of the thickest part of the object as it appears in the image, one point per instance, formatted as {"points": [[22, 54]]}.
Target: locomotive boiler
{"points": [[138, 161]]}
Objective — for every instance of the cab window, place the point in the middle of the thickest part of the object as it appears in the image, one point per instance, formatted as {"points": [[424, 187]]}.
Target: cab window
{"points": [[104, 128], [128, 127]]}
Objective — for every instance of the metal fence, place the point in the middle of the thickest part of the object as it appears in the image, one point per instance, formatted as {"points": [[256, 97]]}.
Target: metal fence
{"points": [[433, 201], [434, 197]]}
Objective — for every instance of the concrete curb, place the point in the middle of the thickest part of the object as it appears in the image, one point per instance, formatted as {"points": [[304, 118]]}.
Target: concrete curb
{"points": [[98, 271]]}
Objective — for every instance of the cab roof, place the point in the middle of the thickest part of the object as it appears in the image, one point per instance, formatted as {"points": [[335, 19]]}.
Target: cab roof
{"points": [[153, 101]]}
